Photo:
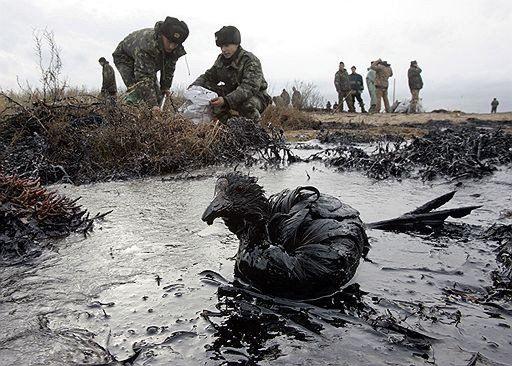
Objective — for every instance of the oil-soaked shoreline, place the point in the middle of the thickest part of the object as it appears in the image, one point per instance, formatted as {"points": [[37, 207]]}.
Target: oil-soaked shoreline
{"points": [[139, 279]]}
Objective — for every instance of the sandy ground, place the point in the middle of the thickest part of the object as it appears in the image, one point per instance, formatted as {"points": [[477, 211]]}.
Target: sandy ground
{"points": [[406, 125], [400, 118]]}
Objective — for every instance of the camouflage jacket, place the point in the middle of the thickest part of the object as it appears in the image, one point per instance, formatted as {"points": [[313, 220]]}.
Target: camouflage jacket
{"points": [[242, 77], [143, 51], [414, 76], [109, 80], [341, 81], [383, 73]]}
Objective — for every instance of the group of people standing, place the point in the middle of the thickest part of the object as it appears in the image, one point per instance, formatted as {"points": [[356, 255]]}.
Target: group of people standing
{"points": [[350, 86], [284, 99]]}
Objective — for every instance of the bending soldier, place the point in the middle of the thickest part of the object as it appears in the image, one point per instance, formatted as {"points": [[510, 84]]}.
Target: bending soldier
{"points": [[244, 88], [143, 53]]}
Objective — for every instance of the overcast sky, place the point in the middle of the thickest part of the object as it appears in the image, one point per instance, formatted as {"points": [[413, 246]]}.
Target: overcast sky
{"points": [[463, 47]]}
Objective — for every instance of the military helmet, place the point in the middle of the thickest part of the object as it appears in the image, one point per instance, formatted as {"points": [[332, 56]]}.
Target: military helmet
{"points": [[227, 35], [174, 30]]}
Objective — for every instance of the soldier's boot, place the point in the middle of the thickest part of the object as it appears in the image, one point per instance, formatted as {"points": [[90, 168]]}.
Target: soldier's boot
{"points": [[362, 108]]}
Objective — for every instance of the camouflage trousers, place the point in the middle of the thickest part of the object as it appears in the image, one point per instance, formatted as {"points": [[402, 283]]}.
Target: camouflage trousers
{"points": [[251, 108], [382, 94], [345, 95], [136, 91]]}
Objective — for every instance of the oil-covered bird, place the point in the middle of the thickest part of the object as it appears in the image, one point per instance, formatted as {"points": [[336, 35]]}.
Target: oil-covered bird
{"points": [[301, 243]]}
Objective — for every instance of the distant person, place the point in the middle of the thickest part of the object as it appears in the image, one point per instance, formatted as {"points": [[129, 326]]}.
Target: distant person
{"points": [[143, 53], [370, 84], [328, 106], [278, 101], [335, 107], [357, 87], [383, 73], [296, 98], [342, 85], [415, 85], [286, 98], [108, 85], [494, 105], [245, 87]]}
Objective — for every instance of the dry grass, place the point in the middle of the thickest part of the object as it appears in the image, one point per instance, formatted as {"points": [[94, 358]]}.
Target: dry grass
{"points": [[289, 118], [82, 141]]}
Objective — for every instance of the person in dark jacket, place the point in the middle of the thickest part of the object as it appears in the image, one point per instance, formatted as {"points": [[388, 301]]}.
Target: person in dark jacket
{"points": [[494, 105], [342, 85], [415, 85], [357, 87], [244, 88], [108, 86]]}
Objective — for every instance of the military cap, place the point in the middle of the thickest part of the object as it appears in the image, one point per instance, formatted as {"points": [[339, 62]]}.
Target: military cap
{"points": [[227, 35], [102, 59], [174, 30]]}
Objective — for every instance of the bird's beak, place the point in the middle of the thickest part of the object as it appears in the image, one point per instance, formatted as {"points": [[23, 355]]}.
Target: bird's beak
{"points": [[214, 209]]}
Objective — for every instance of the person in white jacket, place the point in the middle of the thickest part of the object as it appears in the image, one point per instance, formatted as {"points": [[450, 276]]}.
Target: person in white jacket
{"points": [[370, 84]]}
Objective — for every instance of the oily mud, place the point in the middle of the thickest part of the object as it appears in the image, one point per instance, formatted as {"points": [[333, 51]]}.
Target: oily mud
{"points": [[153, 285]]}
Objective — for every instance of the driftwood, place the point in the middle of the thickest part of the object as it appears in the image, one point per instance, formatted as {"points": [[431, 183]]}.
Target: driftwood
{"points": [[425, 216]]}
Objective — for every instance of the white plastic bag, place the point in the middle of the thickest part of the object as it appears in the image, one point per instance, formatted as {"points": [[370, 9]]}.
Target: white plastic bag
{"points": [[404, 106], [197, 105]]}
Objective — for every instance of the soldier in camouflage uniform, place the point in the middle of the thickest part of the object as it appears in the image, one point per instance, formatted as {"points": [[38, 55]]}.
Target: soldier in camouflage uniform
{"points": [[244, 88], [144, 52], [108, 86], [342, 84]]}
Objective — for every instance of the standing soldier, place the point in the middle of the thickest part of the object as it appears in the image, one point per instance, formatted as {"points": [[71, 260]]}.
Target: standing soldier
{"points": [[342, 84], [145, 52], [415, 85], [108, 86], [494, 105], [370, 84], [383, 73], [296, 99], [357, 87], [328, 106], [286, 98], [245, 88]]}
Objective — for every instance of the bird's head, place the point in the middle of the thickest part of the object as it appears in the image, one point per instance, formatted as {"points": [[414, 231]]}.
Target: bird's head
{"points": [[237, 197]]}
